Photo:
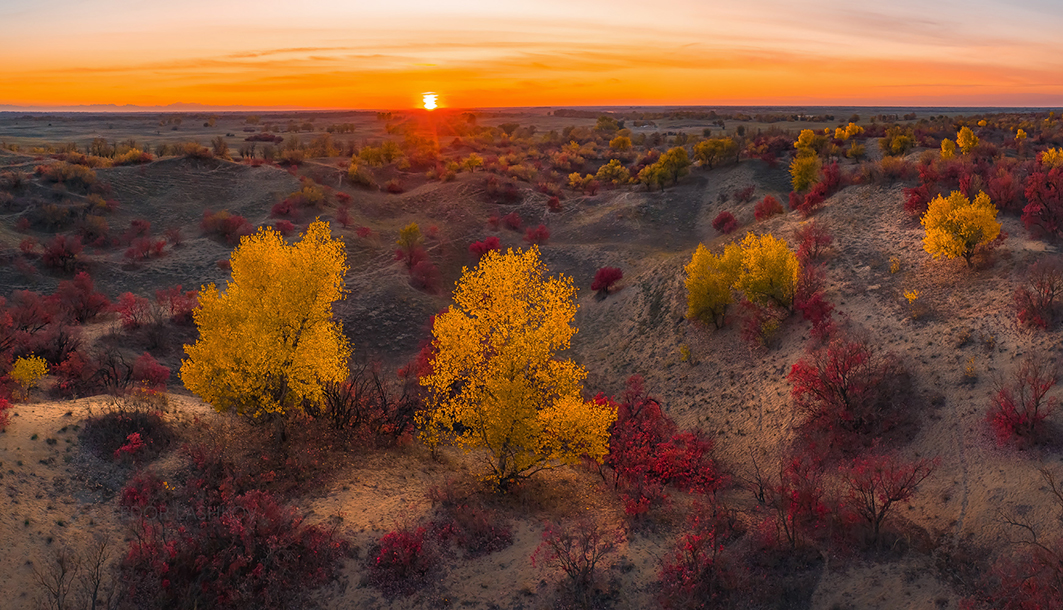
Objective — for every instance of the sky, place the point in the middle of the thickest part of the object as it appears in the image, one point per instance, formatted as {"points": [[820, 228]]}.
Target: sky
{"points": [[483, 53]]}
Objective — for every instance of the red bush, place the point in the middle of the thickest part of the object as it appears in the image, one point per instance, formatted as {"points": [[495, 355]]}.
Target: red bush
{"points": [[4, 418], [75, 376], [512, 221], [646, 453], [725, 222], [150, 374], [605, 277], [283, 208], [343, 215], [226, 225], [553, 204], [917, 200], [284, 227], [809, 300], [79, 300], [1003, 190], [62, 252], [138, 227], [814, 239], [143, 248], [745, 195], [28, 247], [698, 573], [1044, 211], [174, 236], [363, 232], [133, 310], [402, 562], [480, 248], [1018, 411], [847, 388], [767, 207], [179, 305], [876, 483], [210, 541], [1035, 301], [473, 528], [425, 276], [538, 235], [577, 551]]}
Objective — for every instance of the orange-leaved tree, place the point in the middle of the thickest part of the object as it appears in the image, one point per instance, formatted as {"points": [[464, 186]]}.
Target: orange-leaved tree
{"points": [[495, 381], [269, 343]]}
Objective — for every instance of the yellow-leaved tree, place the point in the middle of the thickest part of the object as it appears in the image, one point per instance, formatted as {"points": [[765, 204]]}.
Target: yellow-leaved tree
{"points": [[268, 343], [496, 383], [769, 271], [966, 139], [948, 149], [956, 226], [709, 283], [804, 171]]}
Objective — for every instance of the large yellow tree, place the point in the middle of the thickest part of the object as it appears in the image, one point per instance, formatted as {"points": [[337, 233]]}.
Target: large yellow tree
{"points": [[268, 343], [709, 282], [956, 226], [496, 382]]}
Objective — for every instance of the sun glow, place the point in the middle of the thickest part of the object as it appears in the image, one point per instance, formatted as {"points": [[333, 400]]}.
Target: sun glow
{"points": [[429, 101]]}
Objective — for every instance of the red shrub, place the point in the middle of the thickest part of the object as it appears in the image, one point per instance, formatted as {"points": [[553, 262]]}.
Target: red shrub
{"points": [[138, 227], [209, 541], [725, 222], [151, 375], [1035, 301], [917, 200], [132, 446], [538, 235], [745, 195], [394, 186], [132, 309], [284, 208], [512, 221], [224, 224], [577, 551], [364, 232], [605, 277], [646, 453], [284, 227], [846, 388], [425, 276], [814, 239], [179, 305], [77, 375], [1018, 411], [1044, 192], [767, 207], [402, 562], [4, 417], [28, 247], [809, 300], [876, 483], [344, 199], [797, 499], [343, 216], [62, 252], [698, 573], [473, 528], [22, 224], [553, 204], [1003, 190], [480, 248], [79, 300], [143, 248]]}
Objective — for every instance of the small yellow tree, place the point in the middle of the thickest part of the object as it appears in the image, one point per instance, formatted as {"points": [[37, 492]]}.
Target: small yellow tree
{"points": [[269, 343], [804, 170], [709, 283], [948, 149], [956, 226], [714, 150], [620, 143], [495, 381], [769, 271], [966, 140], [613, 172], [27, 372]]}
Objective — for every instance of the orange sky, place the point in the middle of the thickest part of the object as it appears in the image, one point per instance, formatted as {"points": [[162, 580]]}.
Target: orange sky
{"points": [[344, 54]]}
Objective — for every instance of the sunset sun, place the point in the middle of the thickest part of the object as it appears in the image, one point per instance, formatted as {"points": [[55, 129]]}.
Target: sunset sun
{"points": [[430, 101]]}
